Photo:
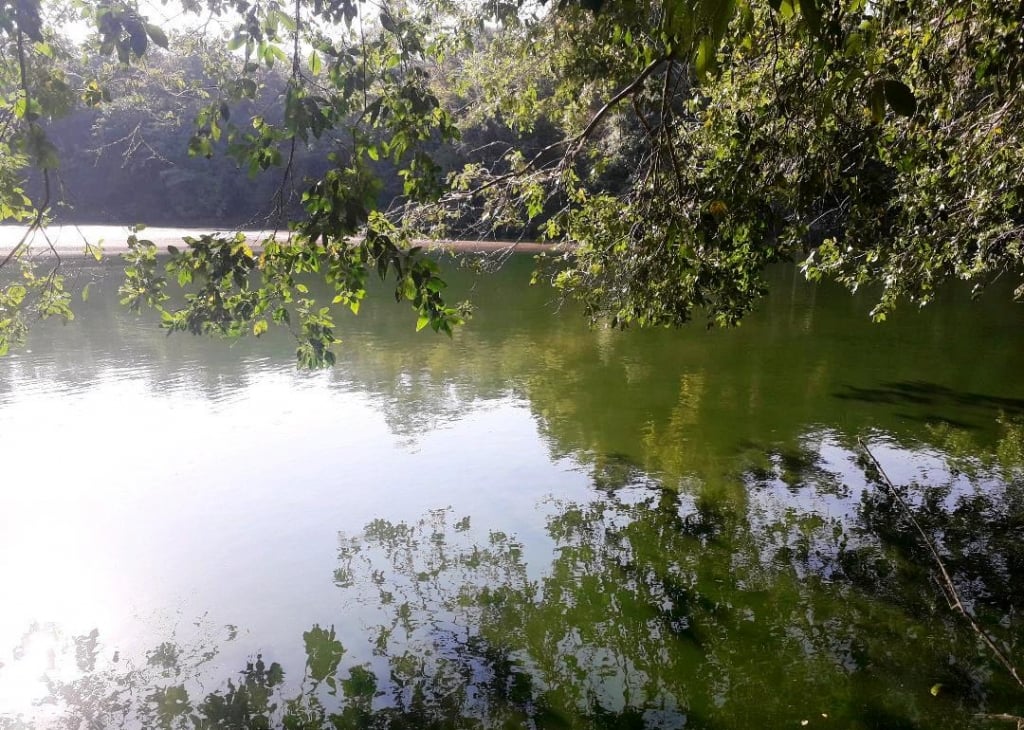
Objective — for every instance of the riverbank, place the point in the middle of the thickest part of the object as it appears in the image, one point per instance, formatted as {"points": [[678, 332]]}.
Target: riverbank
{"points": [[70, 241]]}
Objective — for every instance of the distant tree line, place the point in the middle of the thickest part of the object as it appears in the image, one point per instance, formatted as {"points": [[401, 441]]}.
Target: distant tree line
{"points": [[128, 161]]}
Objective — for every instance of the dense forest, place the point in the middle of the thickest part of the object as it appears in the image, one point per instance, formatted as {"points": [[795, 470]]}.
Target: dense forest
{"points": [[678, 148], [128, 161]]}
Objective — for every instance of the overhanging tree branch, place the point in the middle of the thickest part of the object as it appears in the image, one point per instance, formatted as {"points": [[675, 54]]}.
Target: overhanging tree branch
{"points": [[573, 143], [626, 91]]}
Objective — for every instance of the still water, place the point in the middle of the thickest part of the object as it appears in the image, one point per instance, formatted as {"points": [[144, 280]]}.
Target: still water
{"points": [[532, 524]]}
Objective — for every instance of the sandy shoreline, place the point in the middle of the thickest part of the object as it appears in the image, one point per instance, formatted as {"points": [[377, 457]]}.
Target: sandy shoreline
{"points": [[74, 241]]}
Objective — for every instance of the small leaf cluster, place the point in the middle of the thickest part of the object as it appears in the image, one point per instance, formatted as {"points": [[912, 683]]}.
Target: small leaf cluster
{"points": [[31, 295], [122, 30], [228, 290]]}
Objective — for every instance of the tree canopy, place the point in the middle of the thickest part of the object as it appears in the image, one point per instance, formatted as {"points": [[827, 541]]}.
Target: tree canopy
{"points": [[677, 148]]}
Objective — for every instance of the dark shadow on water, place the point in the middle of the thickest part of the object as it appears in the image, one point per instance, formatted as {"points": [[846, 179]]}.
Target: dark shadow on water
{"points": [[935, 419], [936, 396], [879, 718]]}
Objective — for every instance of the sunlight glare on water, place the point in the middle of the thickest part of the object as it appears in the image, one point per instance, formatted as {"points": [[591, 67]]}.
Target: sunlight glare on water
{"points": [[131, 499]]}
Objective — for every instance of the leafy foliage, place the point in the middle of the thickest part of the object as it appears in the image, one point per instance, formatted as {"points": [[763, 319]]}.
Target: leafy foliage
{"points": [[872, 144], [692, 145]]}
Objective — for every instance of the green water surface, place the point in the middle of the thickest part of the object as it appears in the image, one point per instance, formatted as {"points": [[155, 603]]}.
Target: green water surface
{"points": [[535, 523]]}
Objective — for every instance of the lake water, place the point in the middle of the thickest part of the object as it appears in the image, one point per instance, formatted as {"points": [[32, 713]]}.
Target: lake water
{"points": [[532, 524]]}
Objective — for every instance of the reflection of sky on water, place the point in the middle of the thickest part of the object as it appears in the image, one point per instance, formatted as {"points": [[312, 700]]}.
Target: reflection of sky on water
{"points": [[824, 495], [230, 508], [75, 239]]}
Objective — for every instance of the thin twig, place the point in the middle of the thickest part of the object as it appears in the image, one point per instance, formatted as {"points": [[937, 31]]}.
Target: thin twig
{"points": [[666, 130], [626, 91], [572, 143], [1003, 717], [296, 78]]}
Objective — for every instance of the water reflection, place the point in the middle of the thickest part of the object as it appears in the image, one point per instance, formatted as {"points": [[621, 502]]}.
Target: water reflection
{"points": [[543, 525], [655, 609], [693, 395]]}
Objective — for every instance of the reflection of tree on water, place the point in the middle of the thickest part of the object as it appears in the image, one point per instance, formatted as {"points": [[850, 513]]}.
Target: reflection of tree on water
{"points": [[657, 609], [679, 402]]}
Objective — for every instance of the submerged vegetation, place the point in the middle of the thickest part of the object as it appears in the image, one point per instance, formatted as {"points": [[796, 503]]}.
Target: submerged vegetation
{"points": [[679, 147]]}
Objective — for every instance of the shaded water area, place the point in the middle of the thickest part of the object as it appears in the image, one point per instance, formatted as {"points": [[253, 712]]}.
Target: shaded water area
{"points": [[533, 524]]}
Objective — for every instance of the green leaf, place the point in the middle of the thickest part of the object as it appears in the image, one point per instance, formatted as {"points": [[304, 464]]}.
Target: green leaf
{"points": [[900, 97], [422, 322], [705, 57], [722, 12], [16, 294], [812, 14], [314, 63], [277, 53], [157, 35], [85, 292], [286, 20], [876, 102]]}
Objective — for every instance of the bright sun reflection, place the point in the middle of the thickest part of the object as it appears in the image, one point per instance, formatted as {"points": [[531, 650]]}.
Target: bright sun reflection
{"points": [[145, 498], [86, 539], [35, 656]]}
